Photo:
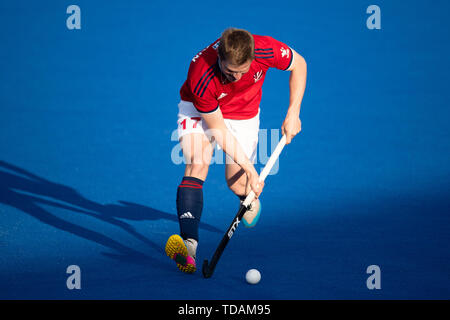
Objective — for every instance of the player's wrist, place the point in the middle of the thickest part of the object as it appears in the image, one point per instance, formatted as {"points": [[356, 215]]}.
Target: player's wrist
{"points": [[293, 111]]}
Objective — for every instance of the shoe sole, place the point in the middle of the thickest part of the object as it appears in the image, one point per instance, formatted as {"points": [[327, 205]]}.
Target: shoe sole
{"points": [[177, 251]]}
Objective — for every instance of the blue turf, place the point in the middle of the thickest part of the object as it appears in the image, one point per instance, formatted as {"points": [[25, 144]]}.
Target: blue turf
{"points": [[86, 176]]}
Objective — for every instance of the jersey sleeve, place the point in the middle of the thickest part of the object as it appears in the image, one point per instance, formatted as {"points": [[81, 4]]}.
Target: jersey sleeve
{"points": [[275, 54], [205, 103], [202, 95]]}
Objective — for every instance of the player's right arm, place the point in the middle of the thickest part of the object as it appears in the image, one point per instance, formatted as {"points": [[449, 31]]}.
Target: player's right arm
{"points": [[229, 144]]}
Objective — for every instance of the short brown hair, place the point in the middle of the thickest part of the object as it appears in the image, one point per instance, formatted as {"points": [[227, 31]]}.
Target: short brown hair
{"points": [[237, 46]]}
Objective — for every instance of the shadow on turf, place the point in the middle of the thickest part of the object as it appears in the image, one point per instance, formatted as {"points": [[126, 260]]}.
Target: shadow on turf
{"points": [[26, 192]]}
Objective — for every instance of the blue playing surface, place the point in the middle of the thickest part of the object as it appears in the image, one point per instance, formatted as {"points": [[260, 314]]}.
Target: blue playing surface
{"points": [[87, 178]]}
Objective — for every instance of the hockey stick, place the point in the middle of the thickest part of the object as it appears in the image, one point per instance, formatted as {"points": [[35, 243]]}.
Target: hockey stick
{"points": [[208, 268]]}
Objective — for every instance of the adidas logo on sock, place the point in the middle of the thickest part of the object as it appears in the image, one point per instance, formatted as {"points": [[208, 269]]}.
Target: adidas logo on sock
{"points": [[187, 215]]}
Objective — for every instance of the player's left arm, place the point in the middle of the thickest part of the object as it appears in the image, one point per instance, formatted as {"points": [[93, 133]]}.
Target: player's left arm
{"points": [[292, 124]]}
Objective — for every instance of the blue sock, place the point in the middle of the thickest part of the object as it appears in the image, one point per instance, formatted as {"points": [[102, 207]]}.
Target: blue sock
{"points": [[189, 206]]}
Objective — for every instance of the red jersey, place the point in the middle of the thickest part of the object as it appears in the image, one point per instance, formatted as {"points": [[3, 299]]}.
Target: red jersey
{"points": [[208, 90]]}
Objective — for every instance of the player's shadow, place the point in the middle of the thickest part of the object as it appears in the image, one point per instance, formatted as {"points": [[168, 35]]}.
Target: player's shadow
{"points": [[28, 192]]}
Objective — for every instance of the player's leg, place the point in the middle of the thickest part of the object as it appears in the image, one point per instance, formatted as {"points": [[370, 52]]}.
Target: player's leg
{"points": [[238, 183], [246, 132], [236, 179], [197, 151]]}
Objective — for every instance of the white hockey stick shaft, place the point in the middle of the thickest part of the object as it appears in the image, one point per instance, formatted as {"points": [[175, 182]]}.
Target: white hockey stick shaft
{"points": [[273, 158]]}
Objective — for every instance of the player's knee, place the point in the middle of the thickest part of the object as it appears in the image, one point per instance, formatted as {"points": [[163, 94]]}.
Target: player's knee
{"points": [[196, 149], [199, 170], [238, 186]]}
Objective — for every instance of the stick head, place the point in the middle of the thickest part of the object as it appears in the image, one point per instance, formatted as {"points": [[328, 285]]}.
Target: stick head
{"points": [[207, 272]]}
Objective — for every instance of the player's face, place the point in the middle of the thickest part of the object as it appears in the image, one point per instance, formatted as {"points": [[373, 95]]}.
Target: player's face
{"points": [[232, 72]]}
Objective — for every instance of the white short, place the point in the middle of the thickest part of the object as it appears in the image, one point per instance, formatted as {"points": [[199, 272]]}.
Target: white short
{"points": [[245, 131]]}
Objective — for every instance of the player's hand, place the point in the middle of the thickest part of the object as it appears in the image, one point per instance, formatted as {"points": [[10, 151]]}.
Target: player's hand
{"points": [[292, 125], [256, 185]]}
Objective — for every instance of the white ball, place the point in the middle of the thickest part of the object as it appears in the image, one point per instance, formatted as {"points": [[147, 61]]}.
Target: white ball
{"points": [[253, 276]]}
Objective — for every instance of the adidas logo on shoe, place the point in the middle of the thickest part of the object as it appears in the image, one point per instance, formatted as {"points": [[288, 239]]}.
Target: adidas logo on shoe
{"points": [[187, 215]]}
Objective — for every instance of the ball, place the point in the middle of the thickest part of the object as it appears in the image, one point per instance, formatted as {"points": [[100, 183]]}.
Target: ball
{"points": [[253, 276]]}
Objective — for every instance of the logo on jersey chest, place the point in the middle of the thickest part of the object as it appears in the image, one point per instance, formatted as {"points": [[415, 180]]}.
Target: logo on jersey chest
{"points": [[258, 75]]}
